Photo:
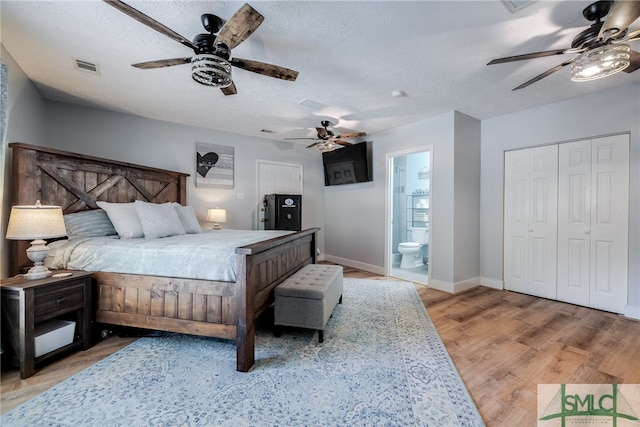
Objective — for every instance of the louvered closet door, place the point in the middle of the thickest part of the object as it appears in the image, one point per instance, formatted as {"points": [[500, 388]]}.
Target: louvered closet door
{"points": [[530, 235], [593, 222]]}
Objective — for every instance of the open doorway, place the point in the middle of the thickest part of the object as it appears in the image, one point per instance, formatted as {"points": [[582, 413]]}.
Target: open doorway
{"points": [[409, 196]]}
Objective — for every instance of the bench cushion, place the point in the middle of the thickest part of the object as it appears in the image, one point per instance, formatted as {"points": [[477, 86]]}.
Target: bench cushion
{"points": [[313, 281]]}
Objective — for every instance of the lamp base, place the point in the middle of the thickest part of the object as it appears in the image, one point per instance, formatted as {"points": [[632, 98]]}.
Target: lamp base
{"points": [[37, 272], [37, 253]]}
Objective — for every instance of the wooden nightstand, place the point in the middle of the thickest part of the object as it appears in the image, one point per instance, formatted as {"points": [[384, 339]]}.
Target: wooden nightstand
{"points": [[26, 303]]}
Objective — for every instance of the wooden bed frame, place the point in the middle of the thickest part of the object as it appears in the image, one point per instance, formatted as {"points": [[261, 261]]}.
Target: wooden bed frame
{"points": [[199, 307]]}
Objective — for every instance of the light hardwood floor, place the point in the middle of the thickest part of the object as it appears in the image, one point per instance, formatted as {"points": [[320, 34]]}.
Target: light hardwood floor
{"points": [[503, 344]]}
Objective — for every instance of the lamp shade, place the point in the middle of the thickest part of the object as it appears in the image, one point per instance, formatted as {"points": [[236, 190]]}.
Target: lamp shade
{"points": [[217, 215], [35, 222]]}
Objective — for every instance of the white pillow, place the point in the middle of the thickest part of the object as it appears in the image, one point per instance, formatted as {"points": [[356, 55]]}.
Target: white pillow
{"points": [[158, 220], [188, 218], [124, 218]]}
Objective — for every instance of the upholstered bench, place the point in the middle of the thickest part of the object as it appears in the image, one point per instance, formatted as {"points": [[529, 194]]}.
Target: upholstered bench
{"points": [[308, 297]]}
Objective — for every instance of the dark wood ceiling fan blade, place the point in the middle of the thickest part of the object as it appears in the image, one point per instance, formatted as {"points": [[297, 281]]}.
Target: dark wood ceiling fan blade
{"points": [[527, 56], [545, 74], [351, 135], [150, 22], [633, 36], [265, 69], [160, 63], [635, 62], [622, 14], [229, 90], [314, 144], [343, 143], [241, 25]]}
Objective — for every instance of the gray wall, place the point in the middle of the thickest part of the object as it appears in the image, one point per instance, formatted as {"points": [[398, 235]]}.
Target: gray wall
{"points": [[172, 146], [466, 231], [26, 113], [356, 213], [601, 113], [25, 123]]}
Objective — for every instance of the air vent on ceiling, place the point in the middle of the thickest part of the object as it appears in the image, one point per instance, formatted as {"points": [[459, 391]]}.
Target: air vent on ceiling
{"points": [[86, 66], [516, 5], [312, 104]]}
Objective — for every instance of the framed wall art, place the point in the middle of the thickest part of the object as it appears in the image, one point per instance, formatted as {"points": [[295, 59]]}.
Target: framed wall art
{"points": [[214, 166]]}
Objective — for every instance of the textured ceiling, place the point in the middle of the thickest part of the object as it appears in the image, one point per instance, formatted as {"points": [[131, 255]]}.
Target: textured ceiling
{"points": [[351, 57]]}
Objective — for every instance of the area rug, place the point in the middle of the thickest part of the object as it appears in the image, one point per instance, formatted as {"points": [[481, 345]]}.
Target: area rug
{"points": [[382, 363]]}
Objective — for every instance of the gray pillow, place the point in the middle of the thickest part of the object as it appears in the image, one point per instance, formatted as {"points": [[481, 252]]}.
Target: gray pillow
{"points": [[94, 223]]}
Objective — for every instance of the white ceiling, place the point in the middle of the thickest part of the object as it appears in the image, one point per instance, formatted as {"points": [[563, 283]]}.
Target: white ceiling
{"points": [[351, 56]]}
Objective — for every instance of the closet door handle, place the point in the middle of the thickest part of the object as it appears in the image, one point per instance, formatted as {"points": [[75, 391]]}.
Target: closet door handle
{"points": [[587, 231], [531, 230]]}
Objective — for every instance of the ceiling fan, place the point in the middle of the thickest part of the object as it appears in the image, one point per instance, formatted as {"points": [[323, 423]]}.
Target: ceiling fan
{"points": [[211, 64], [327, 141], [603, 47]]}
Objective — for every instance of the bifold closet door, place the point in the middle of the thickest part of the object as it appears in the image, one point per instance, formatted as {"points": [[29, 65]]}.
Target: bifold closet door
{"points": [[593, 215], [530, 220], [574, 220]]}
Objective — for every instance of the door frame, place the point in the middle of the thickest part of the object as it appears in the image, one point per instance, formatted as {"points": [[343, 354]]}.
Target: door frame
{"points": [[388, 215]]}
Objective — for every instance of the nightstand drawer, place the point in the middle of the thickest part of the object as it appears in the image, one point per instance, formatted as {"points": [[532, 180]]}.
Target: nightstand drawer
{"points": [[59, 299]]}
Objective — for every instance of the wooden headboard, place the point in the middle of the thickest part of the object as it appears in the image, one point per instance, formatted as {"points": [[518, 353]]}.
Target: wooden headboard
{"points": [[76, 181]]}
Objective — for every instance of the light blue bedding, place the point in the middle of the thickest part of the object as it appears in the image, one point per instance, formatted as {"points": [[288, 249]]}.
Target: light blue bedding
{"points": [[209, 255]]}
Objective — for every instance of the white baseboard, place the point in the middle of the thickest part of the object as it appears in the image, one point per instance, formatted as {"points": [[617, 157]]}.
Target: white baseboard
{"points": [[466, 285], [355, 264], [632, 312], [454, 288], [441, 286], [492, 283]]}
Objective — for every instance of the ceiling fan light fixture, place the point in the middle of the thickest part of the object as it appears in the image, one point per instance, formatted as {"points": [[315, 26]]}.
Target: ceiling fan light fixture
{"points": [[600, 62], [211, 70], [326, 146]]}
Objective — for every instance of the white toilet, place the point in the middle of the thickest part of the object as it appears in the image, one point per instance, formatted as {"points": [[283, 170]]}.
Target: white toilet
{"points": [[411, 253]]}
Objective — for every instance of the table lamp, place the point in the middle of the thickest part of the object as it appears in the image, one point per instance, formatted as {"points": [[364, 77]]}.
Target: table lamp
{"points": [[216, 216], [36, 223]]}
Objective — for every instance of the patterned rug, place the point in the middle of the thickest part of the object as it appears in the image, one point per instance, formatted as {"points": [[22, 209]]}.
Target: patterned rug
{"points": [[382, 363]]}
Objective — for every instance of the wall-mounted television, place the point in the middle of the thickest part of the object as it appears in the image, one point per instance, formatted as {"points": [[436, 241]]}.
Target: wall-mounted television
{"points": [[348, 165]]}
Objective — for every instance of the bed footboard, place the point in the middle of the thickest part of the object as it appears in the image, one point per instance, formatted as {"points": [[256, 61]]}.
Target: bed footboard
{"points": [[260, 268], [203, 307]]}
